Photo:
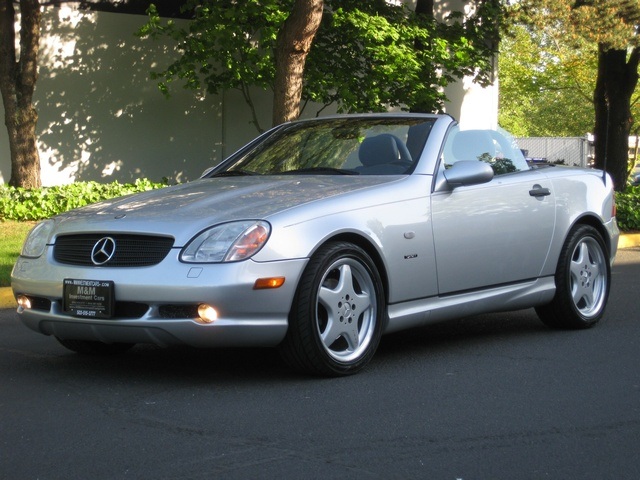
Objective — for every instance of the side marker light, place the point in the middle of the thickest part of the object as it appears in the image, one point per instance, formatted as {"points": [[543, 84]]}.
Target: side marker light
{"points": [[269, 282]]}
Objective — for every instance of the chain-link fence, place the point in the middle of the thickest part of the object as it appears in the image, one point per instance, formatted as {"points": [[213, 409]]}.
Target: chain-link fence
{"points": [[571, 151]]}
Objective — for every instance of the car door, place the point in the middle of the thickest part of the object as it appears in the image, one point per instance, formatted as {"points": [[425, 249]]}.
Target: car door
{"points": [[492, 233]]}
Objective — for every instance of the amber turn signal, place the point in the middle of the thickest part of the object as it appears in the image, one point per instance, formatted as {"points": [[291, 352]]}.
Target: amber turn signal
{"points": [[269, 282]]}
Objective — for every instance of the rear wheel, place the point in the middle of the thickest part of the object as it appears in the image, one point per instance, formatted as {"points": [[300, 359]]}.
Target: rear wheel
{"points": [[583, 277], [88, 347], [335, 322]]}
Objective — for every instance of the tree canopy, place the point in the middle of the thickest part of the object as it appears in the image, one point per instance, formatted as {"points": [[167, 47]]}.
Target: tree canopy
{"points": [[607, 31], [546, 85], [366, 56], [361, 56]]}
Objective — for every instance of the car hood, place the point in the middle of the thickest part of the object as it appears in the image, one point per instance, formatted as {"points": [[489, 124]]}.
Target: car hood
{"points": [[184, 209]]}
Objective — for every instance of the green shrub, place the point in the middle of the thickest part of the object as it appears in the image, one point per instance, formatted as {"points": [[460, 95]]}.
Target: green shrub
{"points": [[36, 204], [628, 206]]}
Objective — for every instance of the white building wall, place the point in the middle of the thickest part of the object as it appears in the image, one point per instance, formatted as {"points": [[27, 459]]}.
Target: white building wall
{"points": [[101, 117], [471, 104]]}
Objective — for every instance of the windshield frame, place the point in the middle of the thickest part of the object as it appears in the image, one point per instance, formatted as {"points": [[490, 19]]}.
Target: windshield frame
{"points": [[336, 135]]}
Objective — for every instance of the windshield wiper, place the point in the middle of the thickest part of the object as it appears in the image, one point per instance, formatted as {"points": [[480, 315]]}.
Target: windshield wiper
{"points": [[321, 171], [234, 173]]}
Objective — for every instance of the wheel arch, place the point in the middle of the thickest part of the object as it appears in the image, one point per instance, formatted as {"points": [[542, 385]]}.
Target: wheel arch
{"points": [[368, 246], [582, 278], [305, 346], [595, 222]]}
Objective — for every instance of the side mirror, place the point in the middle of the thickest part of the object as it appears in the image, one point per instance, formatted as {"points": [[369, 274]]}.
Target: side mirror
{"points": [[468, 172]]}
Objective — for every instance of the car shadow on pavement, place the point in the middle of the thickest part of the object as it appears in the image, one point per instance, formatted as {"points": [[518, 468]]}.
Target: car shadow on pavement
{"points": [[176, 364], [466, 331], [149, 364]]}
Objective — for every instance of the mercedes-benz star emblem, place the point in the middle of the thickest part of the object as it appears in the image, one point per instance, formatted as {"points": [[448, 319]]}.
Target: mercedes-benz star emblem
{"points": [[103, 251]]}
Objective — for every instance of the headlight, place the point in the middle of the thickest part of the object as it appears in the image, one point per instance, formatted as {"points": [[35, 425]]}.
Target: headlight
{"points": [[229, 242], [36, 241]]}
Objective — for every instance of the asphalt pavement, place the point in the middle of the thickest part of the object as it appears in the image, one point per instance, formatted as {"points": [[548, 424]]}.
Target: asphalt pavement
{"points": [[496, 396]]}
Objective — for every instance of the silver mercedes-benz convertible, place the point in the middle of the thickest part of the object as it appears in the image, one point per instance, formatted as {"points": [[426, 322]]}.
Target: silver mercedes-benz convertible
{"points": [[319, 237]]}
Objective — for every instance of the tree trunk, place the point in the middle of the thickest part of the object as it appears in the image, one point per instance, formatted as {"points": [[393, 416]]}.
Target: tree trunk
{"points": [[424, 7], [17, 84], [617, 79], [293, 45]]}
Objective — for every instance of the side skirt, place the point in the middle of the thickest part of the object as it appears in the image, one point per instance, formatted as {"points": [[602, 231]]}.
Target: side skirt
{"points": [[416, 313]]}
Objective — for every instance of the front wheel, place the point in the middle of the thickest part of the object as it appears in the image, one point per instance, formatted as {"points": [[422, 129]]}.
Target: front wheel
{"points": [[335, 322], [583, 277]]}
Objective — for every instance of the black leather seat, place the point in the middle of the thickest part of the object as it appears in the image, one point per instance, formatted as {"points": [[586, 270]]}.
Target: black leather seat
{"points": [[380, 155]]}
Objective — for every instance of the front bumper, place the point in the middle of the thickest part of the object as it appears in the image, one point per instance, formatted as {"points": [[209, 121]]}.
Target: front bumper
{"points": [[158, 304], [614, 235]]}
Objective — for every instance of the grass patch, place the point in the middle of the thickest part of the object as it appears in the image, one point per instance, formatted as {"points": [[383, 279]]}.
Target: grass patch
{"points": [[12, 234]]}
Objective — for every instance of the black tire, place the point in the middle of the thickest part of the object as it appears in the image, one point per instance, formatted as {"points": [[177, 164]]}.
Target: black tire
{"points": [[583, 278], [336, 318], [87, 347]]}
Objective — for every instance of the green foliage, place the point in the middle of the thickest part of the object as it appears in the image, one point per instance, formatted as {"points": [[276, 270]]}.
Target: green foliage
{"points": [[611, 23], [628, 209], [36, 204], [546, 85], [580, 60], [549, 62], [376, 63], [500, 166], [228, 44], [366, 56], [13, 235]]}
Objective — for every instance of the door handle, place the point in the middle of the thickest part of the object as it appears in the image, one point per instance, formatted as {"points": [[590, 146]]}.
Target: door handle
{"points": [[538, 191]]}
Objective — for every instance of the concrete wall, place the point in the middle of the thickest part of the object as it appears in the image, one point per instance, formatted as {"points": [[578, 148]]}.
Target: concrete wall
{"points": [[102, 118]]}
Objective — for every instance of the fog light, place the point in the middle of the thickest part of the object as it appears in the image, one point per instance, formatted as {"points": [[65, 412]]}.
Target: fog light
{"points": [[23, 302], [207, 313], [269, 282]]}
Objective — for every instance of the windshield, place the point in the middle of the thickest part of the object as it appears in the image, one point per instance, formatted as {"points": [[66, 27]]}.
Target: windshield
{"points": [[354, 146]]}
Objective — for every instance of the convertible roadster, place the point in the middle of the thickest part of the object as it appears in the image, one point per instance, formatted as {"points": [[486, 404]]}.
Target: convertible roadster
{"points": [[320, 236]]}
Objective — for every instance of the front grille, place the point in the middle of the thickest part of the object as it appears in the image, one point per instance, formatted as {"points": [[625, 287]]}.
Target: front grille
{"points": [[130, 309], [123, 309], [130, 250]]}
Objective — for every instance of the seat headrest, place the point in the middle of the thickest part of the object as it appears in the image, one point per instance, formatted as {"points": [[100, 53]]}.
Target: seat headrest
{"points": [[378, 150]]}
